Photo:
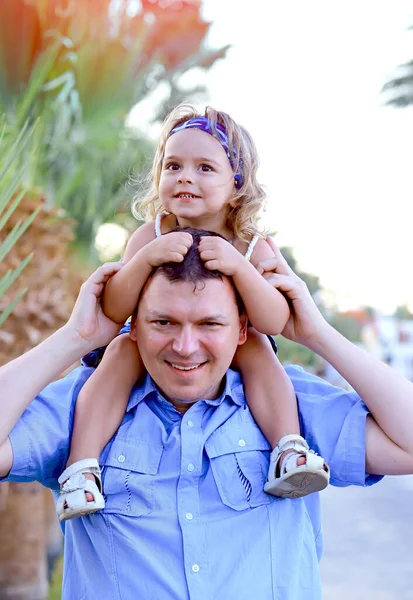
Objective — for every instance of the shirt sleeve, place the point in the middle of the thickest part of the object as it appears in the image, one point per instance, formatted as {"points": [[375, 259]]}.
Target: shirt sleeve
{"points": [[40, 439], [333, 421]]}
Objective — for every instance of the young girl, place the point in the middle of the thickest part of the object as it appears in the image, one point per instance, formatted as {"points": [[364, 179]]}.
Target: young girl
{"points": [[204, 177]]}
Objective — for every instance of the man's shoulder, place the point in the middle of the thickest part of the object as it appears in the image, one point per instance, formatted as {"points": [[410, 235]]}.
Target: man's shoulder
{"points": [[307, 382], [78, 376], [67, 387]]}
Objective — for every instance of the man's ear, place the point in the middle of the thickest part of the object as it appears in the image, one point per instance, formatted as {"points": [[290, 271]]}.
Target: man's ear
{"points": [[243, 321], [132, 333]]}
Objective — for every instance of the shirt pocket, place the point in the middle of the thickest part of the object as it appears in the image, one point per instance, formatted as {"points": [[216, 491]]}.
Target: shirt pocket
{"points": [[128, 476], [239, 459]]}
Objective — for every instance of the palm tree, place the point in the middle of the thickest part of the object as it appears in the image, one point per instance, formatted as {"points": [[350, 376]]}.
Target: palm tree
{"points": [[11, 195]]}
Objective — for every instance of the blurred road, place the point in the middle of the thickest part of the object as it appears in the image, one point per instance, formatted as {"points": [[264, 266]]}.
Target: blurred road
{"points": [[368, 541]]}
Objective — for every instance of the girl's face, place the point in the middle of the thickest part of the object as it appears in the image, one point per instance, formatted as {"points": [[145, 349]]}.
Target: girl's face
{"points": [[197, 181]]}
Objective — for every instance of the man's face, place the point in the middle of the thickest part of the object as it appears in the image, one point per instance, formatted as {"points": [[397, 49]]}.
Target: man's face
{"points": [[187, 338]]}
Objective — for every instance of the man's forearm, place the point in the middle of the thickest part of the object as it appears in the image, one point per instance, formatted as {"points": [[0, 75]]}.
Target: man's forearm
{"points": [[23, 378], [387, 394]]}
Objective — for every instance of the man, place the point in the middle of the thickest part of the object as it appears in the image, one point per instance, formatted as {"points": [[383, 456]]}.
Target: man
{"points": [[186, 515]]}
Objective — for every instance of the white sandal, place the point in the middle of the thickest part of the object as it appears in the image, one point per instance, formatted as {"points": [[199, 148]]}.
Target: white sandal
{"points": [[296, 480], [72, 501]]}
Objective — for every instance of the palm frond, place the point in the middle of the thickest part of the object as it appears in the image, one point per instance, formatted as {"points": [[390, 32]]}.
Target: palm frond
{"points": [[12, 171]]}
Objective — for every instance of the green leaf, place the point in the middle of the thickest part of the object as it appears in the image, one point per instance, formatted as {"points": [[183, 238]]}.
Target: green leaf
{"points": [[7, 311], [6, 198], [16, 233], [11, 276]]}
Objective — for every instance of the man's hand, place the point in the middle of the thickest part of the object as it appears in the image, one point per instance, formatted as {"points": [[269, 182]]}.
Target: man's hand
{"points": [[171, 247], [220, 255], [87, 318], [305, 321]]}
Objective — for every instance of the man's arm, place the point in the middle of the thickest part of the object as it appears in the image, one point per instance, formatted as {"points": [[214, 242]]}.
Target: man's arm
{"points": [[388, 395], [23, 378]]}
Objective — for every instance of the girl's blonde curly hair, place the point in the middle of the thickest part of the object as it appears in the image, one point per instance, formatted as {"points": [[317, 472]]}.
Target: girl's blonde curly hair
{"points": [[250, 197]]}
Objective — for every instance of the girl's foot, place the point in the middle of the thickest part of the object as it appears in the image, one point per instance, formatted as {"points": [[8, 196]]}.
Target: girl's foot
{"points": [[80, 490], [295, 470]]}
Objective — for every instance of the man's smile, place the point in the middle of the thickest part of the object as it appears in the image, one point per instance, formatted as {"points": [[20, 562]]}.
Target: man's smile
{"points": [[181, 367]]}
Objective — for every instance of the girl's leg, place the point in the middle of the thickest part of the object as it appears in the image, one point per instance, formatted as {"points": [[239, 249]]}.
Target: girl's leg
{"points": [[268, 389], [103, 399], [99, 411], [294, 470]]}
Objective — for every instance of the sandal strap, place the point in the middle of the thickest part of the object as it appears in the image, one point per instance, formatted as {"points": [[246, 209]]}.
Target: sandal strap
{"points": [[86, 465], [289, 442], [75, 488], [313, 462]]}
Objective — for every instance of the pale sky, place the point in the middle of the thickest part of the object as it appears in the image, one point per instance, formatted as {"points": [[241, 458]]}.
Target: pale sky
{"points": [[305, 79]]}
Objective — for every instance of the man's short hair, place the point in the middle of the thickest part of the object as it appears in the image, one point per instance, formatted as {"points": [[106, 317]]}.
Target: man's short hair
{"points": [[192, 269]]}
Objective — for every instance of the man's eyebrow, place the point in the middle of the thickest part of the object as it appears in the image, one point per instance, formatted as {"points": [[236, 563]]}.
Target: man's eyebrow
{"points": [[196, 158], [155, 314], [215, 317], [163, 316]]}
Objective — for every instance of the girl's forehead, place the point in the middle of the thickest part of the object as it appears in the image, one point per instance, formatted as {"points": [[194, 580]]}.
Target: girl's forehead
{"points": [[194, 142]]}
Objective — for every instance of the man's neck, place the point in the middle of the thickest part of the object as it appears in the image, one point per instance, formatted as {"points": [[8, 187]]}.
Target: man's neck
{"points": [[182, 406]]}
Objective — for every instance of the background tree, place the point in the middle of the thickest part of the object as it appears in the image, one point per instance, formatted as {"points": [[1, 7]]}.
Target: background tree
{"points": [[11, 194], [399, 88], [403, 312], [290, 352]]}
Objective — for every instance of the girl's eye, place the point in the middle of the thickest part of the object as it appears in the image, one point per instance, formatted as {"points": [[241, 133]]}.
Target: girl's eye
{"points": [[172, 167], [206, 168]]}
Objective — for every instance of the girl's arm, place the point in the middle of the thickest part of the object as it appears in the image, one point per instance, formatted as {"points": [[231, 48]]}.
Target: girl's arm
{"points": [[143, 252], [266, 307]]}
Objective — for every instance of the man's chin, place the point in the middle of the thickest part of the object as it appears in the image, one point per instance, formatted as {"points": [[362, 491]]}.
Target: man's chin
{"points": [[189, 395]]}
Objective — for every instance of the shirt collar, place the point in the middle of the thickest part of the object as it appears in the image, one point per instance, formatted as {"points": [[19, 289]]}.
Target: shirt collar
{"points": [[233, 390]]}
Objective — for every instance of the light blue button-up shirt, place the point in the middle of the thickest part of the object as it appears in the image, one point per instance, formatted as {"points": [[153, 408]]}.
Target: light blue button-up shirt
{"points": [[186, 516]]}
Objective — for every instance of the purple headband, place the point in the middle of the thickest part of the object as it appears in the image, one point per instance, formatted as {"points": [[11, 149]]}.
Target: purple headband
{"points": [[220, 134]]}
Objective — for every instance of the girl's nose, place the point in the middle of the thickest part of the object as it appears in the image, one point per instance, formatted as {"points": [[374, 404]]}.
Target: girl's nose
{"points": [[185, 176]]}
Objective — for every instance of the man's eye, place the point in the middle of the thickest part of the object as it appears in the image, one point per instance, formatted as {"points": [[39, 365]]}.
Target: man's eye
{"points": [[211, 324], [162, 322]]}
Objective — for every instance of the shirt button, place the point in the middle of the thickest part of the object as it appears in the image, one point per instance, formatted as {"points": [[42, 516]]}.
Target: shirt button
{"points": [[189, 516], [190, 423], [190, 467], [241, 443], [121, 458], [195, 568]]}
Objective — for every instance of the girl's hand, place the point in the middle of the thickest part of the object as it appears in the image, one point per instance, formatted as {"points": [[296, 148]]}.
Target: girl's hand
{"points": [[220, 255], [171, 247], [87, 319], [305, 322]]}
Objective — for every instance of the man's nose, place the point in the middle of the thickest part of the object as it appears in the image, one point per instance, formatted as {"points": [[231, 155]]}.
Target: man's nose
{"points": [[186, 342]]}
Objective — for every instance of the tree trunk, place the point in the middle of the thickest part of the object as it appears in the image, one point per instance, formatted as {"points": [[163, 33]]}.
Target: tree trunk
{"points": [[23, 564]]}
